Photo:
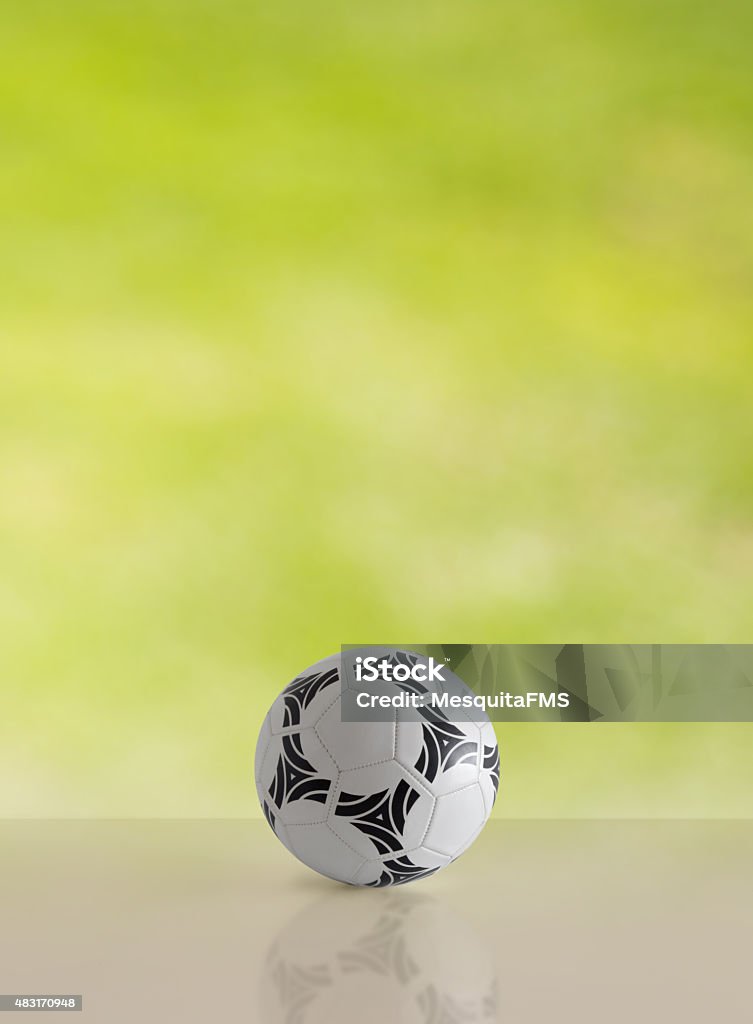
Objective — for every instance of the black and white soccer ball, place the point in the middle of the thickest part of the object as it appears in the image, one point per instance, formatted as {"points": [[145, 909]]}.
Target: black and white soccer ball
{"points": [[374, 803]]}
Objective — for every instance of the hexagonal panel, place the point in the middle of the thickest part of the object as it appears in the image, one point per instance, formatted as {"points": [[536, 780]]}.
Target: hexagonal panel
{"points": [[297, 777], [380, 810], [355, 744], [456, 821]]}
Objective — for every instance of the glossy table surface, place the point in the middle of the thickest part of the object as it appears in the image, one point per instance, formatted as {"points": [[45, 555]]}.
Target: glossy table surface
{"points": [[541, 920]]}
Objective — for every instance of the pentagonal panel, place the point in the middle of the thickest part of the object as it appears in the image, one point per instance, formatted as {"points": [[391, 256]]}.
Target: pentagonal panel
{"points": [[297, 777], [380, 809], [457, 819], [324, 851], [355, 744], [444, 755]]}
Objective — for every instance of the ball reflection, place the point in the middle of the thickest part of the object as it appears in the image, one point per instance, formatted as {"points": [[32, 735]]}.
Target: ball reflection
{"points": [[402, 957]]}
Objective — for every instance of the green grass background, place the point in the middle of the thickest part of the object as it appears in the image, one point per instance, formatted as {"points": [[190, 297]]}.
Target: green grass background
{"points": [[335, 322]]}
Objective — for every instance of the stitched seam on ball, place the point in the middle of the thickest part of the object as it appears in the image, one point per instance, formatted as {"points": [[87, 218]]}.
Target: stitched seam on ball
{"points": [[357, 872], [263, 757], [288, 729], [471, 785], [437, 853], [322, 713], [291, 730], [318, 824], [428, 823], [306, 824], [329, 753], [416, 777], [407, 851], [345, 843], [369, 764], [472, 840], [462, 789], [319, 737]]}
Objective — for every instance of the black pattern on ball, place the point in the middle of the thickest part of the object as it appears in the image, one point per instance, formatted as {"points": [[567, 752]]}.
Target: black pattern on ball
{"points": [[301, 692], [491, 764], [295, 777], [269, 815], [400, 870], [444, 746], [380, 816]]}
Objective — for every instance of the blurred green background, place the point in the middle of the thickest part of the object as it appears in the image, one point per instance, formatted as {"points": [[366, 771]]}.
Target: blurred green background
{"points": [[347, 322]]}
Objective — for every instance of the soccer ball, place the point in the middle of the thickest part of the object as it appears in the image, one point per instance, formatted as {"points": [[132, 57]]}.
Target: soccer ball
{"points": [[379, 802]]}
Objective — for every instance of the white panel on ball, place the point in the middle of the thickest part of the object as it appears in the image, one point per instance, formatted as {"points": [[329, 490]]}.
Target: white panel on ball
{"points": [[324, 851], [457, 819], [366, 744]]}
